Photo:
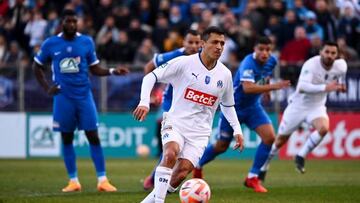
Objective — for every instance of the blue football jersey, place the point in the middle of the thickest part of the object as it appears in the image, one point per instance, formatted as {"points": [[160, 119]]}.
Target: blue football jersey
{"points": [[160, 59], [251, 70], [70, 61]]}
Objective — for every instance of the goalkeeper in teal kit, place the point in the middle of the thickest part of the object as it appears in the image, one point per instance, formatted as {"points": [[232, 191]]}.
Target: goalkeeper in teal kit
{"points": [[72, 57]]}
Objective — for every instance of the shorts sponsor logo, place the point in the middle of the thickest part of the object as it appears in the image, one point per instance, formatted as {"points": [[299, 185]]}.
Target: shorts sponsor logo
{"points": [[200, 97]]}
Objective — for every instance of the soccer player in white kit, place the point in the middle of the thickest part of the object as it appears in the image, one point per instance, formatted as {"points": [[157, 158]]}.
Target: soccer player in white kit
{"points": [[319, 75], [200, 83]]}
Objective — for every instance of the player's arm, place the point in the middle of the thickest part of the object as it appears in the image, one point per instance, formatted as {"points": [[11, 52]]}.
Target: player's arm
{"points": [[227, 108], [165, 73], [305, 84], [250, 87], [96, 69], [39, 71]]}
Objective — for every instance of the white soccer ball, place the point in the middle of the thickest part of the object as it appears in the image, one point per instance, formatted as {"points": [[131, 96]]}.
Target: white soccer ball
{"points": [[143, 150], [195, 191]]}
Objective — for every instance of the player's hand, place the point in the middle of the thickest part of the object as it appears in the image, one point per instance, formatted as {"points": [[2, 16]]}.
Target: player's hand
{"points": [[342, 88], [282, 84], [121, 70], [334, 86], [53, 90], [239, 142], [140, 113]]}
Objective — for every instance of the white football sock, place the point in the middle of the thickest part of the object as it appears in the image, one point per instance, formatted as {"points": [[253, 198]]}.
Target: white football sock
{"points": [[101, 179], [162, 182], [312, 141], [273, 152], [171, 189], [251, 175], [150, 198], [75, 179]]}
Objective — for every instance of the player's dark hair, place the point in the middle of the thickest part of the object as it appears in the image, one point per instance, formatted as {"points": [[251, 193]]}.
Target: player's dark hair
{"points": [[206, 34], [192, 32], [263, 40], [331, 43], [67, 12]]}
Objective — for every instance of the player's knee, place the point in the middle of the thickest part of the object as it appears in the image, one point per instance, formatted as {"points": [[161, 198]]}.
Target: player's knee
{"points": [[169, 158], [93, 137], [269, 139], [67, 138], [221, 146]]}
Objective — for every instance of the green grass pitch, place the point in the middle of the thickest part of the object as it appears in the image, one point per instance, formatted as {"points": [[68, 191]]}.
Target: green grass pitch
{"points": [[41, 180]]}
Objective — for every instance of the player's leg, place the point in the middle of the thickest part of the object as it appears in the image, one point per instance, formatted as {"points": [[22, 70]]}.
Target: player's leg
{"points": [[173, 142], [188, 158], [320, 121], [87, 116], [224, 138], [65, 122], [291, 120], [149, 180]]}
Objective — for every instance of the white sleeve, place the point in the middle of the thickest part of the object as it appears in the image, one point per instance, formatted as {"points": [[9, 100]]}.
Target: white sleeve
{"points": [[307, 87], [147, 84], [227, 106], [169, 71], [231, 117], [305, 84]]}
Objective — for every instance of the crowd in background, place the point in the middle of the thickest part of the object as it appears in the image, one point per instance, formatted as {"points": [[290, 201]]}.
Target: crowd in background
{"points": [[129, 32]]}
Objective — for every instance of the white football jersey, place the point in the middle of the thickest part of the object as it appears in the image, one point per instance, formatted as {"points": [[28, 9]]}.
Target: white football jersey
{"points": [[197, 93], [313, 72]]}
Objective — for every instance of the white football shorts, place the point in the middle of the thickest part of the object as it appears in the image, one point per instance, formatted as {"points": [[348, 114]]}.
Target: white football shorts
{"points": [[293, 117], [191, 147]]}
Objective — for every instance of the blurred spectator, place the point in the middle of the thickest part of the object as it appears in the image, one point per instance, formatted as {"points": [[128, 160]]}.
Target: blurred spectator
{"points": [[312, 27], [108, 32], [277, 8], [3, 48], [296, 51], [287, 27], [347, 52], [300, 9], [102, 11], [35, 28], [229, 47], [160, 32], [293, 55], [173, 41], [4, 8], [257, 19], [349, 27], [18, 17], [326, 20], [316, 44], [122, 17], [53, 24], [123, 50], [144, 54], [136, 33], [14, 55], [176, 20]]}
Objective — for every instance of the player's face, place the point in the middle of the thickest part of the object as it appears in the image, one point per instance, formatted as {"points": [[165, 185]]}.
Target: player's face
{"points": [[262, 52], [70, 25], [214, 46], [192, 43], [328, 55]]}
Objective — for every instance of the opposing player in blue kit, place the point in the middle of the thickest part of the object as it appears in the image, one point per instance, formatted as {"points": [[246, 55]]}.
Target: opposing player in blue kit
{"points": [[251, 80], [72, 56], [191, 45]]}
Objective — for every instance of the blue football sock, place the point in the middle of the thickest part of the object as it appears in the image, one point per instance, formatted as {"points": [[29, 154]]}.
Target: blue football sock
{"points": [[98, 159], [153, 172], [209, 155], [261, 155], [70, 160]]}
